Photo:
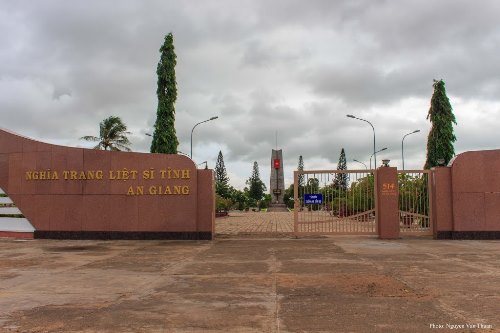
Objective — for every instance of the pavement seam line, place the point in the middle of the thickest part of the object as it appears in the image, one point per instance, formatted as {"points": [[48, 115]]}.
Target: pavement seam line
{"points": [[275, 288]]}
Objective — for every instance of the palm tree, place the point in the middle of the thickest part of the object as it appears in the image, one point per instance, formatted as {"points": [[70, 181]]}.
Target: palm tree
{"points": [[112, 136]]}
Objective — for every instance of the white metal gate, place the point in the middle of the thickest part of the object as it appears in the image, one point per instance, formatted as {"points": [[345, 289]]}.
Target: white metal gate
{"points": [[335, 202]]}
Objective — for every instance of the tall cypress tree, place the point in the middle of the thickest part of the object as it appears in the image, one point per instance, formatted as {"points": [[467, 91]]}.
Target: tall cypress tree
{"points": [[256, 185], [164, 137], [221, 178], [300, 167], [341, 179], [441, 138]]}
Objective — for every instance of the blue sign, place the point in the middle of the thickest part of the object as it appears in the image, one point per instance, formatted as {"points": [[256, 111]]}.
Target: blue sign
{"points": [[310, 199]]}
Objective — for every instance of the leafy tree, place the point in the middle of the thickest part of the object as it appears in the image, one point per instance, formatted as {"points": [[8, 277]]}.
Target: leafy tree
{"points": [[266, 201], [251, 202], [256, 186], [341, 179], [164, 137], [112, 135], [361, 195], [300, 167], [441, 138], [414, 198], [239, 198], [289, 196], [312, 186], [222, 204], [221, 178]]}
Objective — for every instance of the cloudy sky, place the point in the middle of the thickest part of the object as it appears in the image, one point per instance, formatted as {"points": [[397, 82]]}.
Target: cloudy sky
{"points": [[293, 67]]}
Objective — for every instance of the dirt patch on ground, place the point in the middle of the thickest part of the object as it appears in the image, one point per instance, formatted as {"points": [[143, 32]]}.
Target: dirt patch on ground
{"points": [[18, 263], [82, 249], [155, 313], [6, 276], [372, 285]]}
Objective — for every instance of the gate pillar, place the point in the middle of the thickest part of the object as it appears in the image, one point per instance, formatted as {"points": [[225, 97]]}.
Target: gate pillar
{"points": [[442, 197], [387, 207]]}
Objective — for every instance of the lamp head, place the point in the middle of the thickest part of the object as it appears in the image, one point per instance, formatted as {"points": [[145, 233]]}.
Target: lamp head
{"points": [[206, 164], [416, 131], [213, 118], [350, 116]]}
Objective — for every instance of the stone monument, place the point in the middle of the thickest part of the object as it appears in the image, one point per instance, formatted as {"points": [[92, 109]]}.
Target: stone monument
{"points": [[277, 183]]}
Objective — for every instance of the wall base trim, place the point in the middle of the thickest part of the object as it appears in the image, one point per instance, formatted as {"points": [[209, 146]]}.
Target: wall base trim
{"points": [[16, 234], [468, 235], [109, 235]]}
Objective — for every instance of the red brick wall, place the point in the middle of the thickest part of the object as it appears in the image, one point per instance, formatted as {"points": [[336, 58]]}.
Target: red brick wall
{"points": [[467, 196], [114, 203], [476, 191]]}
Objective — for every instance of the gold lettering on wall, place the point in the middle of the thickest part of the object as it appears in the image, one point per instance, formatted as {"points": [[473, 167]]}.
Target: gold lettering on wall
{"points": [[159, 190], [41, 175], [124, 175], [138, 190], [175, 173], [185, 174]]}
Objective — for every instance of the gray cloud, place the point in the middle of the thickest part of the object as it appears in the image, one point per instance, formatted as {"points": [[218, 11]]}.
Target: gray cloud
{"points": [[287, 66]]}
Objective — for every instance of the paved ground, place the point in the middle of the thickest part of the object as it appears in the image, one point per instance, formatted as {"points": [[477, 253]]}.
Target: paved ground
{"points": [[342, 284], [243, 223]]}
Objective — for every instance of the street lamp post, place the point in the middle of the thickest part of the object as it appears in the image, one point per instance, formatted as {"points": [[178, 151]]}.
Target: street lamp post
{"points": [[355, 160], [201, 122], [378, 151], [204, 162], [402, 147], [373, 128]]}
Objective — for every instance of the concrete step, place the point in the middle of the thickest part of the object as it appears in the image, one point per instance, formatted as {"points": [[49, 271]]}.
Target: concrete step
{"points": [[10, 211], [15, 224], [5, 201], [13, 227]]}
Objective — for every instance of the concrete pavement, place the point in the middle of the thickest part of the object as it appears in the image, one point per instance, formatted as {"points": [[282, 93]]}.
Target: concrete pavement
{"points": [[322, 284]]}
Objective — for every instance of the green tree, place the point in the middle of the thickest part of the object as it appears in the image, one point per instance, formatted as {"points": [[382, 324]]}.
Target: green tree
{"points": [[361, 195], [441, 138], [256, 185], [312, 186], [164, 137], [222, 204], [221, 178], [112, 135], [289, 196], [414, 197], [239, 198], [300, 167], [341, 179], [251, 202], [266, 201]]}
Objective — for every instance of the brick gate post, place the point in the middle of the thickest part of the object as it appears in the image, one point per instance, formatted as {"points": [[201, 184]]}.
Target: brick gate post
{"points": [[387, 208]]}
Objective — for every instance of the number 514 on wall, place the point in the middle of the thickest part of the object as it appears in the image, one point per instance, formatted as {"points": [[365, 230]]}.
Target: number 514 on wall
{"points": [[388, 187]]}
